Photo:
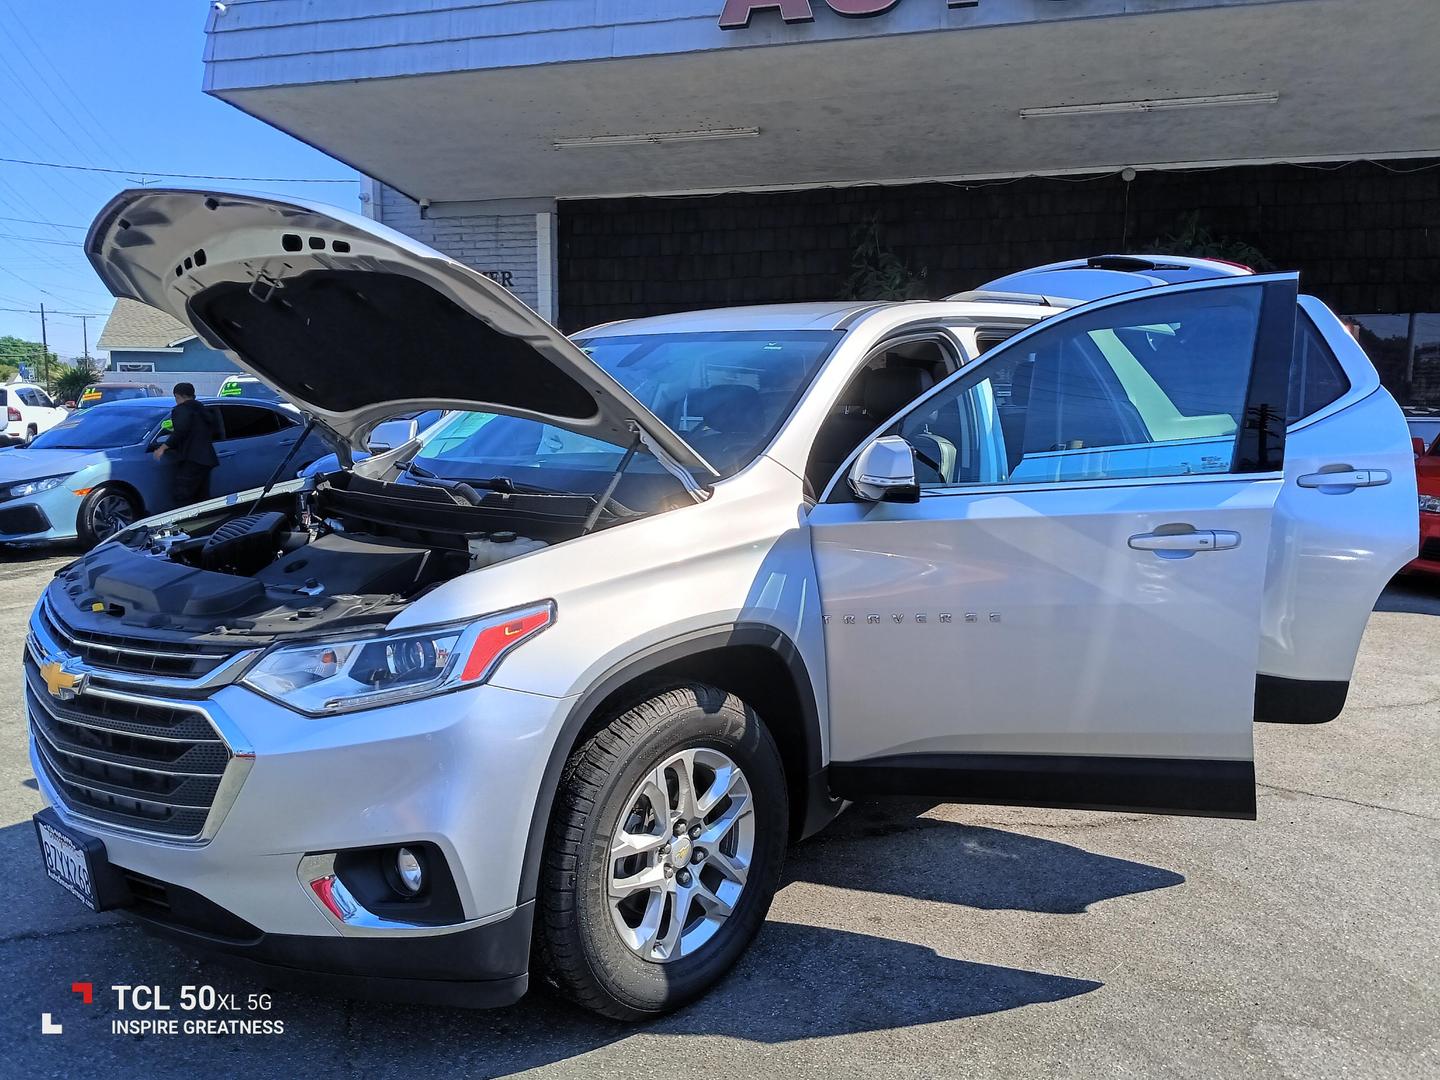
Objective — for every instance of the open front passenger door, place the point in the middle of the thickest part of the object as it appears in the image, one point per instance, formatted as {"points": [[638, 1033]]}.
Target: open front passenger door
{"points": [[1069, 614]]}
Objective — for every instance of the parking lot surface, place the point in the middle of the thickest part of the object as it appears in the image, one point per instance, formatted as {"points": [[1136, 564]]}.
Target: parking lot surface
{"points": [[910, 939]]}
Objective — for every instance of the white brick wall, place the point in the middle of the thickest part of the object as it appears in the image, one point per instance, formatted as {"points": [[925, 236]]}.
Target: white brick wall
{"points": [[505, 241]]}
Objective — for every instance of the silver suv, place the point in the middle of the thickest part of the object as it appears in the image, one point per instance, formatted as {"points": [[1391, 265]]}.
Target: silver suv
{"points": [[562, 676]]}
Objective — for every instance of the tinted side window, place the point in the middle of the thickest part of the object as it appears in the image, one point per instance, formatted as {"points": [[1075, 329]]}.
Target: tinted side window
{"points": [[248, 422], [1146, 388], [1316, 377]]}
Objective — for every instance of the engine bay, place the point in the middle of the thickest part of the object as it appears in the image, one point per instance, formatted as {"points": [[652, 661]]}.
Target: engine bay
{"points": [[350, 552]]}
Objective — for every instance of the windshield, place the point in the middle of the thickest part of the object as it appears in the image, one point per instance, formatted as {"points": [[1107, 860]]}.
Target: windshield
{"points": [[253, 389], [98, 395], [726, 394], [101, 429]]}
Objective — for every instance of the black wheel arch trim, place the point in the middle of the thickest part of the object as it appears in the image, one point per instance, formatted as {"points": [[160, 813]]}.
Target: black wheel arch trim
{"points": [[1280, 700], [818, 808]]}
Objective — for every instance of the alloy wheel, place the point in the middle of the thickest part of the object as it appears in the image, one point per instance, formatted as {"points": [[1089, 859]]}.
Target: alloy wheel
{"points": [[680, 854], [111, 514]]}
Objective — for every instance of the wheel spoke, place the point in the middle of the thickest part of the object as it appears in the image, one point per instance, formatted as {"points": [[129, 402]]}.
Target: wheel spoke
{"points": [[716, 831], [668, 946], [711, 901], [627, 844], [643, 936], [683, 765], [732, 866], [652, 877], [654, 791], [727, 777]]}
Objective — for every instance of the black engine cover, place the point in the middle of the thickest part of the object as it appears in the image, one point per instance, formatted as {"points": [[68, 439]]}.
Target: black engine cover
{"points": [[243, 545], [343, 565]]}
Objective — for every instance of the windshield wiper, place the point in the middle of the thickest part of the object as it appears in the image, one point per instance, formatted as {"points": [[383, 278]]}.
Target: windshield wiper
{"points": [[502, 484]]}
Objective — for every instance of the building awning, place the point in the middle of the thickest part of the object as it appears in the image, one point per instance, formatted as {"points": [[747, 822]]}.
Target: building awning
{"points": [[605, 98]]}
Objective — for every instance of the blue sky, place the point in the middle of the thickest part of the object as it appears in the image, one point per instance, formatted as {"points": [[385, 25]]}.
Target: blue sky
{"points": [[116, 84]]}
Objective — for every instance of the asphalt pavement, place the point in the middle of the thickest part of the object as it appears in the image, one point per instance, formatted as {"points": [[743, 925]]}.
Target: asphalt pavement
{"points": [[910, 939]]}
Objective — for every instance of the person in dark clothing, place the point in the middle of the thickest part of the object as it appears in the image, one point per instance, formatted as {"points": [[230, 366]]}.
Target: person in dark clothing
{"points": [[191, 447]]}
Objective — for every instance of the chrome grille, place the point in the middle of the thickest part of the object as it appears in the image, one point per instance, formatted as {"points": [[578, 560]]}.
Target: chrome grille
{"points": [[128, 761], [129, 655]]}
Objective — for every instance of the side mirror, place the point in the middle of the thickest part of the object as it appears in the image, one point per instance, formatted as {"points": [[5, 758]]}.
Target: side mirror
{"points": [[390, 434], [885, 472], [70, 405], [1418, 445], [158, 441]]}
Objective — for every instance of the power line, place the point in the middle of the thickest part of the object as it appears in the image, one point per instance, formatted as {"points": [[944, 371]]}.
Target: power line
{"points": [[175, 175], [39, 221], [30, 284], [41, 240], [70, 314], [99, 132]]}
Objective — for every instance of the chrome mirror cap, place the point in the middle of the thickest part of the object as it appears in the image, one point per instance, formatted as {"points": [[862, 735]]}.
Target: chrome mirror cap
{"points": [[885, 472]]}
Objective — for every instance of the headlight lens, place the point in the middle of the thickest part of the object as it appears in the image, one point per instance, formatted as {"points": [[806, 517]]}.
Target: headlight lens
{"points": [[35, 487], [1430, 504], [342, 676]]}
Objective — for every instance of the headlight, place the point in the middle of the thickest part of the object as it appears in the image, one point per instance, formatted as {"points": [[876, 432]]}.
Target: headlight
{"points": [[35, 487], [362, 673], [1430, 504]]}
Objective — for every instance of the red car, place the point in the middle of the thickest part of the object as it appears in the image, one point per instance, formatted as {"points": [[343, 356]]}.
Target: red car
{"points": [[1427, 476]]}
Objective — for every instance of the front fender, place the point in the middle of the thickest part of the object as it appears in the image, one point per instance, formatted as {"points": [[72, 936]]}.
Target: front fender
{"points": [[817, 808]]}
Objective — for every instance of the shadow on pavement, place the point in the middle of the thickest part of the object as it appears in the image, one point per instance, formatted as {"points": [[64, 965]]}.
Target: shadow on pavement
{"points": [[796, 982], [887, 848]]}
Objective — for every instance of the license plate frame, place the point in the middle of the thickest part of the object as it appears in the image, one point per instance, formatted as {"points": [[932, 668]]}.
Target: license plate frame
{"points": [[78, 863]]}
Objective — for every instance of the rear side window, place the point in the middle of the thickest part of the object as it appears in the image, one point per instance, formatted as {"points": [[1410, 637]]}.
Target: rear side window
{"points": [[248, 421], [1316, 377], [4, 398]]}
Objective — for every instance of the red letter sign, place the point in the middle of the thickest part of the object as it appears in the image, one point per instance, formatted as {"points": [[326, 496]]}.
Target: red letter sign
{"points": [[859, 9], [737, 13]]}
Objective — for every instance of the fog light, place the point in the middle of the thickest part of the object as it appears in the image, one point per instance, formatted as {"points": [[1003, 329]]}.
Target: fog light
{"points": [[409, 870]]}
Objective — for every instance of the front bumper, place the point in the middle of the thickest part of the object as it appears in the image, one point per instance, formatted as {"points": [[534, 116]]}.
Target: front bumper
{"points": [[51, 515], [482, 967], [461, 771]]}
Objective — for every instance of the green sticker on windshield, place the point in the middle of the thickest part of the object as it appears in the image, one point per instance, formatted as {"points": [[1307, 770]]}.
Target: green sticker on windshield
{"points": [[230, 389]]}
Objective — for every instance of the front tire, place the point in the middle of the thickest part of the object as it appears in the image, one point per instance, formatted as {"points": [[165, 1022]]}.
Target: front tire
{"points": [[103, 513], [663, 854]]}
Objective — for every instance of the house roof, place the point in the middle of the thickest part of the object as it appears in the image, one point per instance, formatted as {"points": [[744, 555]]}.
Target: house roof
{"points": [[133, 325]]}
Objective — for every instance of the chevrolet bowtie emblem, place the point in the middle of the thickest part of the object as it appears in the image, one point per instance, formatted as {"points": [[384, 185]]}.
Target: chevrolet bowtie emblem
{"points": [[62, 684]]}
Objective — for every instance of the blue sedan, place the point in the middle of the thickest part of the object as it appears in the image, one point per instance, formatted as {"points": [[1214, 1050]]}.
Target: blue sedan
{"points": [[93, 474]]}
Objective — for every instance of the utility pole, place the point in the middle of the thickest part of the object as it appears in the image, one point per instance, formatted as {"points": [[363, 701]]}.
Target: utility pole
{"points": [[44, 347], [85, 335]]}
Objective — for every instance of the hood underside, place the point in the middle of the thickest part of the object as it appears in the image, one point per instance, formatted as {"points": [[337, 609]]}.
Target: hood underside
{"points": [[355, 322]]}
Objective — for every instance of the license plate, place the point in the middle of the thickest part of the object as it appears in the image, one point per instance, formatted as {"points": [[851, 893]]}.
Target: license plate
{"points": [[75, 862]]}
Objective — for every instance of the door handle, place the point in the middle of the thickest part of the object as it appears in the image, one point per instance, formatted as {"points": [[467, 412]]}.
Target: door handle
{"points": [[1343, 481], [1181, 545], [227, 453]]}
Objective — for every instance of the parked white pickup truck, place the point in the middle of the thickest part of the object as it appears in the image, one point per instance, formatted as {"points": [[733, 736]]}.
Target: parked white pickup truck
{"points": [[563, 676]]}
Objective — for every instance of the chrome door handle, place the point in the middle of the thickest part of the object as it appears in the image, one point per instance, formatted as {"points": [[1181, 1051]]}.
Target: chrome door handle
{"points": [[1181, 545], [1344, 480]]}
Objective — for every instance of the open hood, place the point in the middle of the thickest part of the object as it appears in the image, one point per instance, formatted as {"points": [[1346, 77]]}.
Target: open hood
{"points": [[353, 321]]}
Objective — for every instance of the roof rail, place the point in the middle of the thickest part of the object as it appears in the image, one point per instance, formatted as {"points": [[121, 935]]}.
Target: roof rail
{"points": [[991, 296]]}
